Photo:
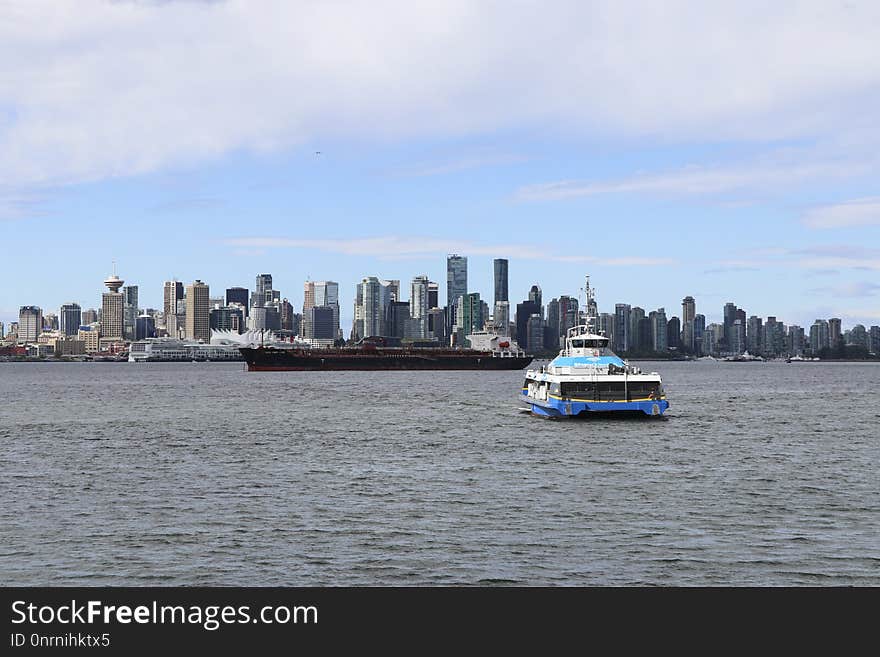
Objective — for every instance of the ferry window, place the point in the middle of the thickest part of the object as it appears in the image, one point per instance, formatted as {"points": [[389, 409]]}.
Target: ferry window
{"points": [[577, 344]]}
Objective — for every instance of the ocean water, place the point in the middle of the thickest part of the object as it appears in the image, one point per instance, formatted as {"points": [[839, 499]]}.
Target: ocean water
{"points": [[205, 474]]}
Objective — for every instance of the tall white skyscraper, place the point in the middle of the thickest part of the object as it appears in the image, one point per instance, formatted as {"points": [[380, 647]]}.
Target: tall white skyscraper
{"points": [[419, 306]]}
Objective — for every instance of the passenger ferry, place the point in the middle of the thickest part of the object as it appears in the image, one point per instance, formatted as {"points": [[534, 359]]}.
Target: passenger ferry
{"points": [[587, 377]]}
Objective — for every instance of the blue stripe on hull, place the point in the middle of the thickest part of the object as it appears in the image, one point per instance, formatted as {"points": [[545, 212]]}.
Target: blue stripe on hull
{"points": [[563, 408]]}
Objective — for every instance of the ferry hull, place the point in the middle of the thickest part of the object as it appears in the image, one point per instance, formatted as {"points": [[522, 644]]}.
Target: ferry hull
{"points": [[296, 360], [559, 408]]}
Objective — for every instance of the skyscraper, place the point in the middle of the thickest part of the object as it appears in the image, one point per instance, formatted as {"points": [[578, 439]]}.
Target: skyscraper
{"points": [[622, 327], [172, 293], [238, 295], [418, 305], [659, 329], [456, 284], [834, 332], [535, 295], [500, 265], [30, 323], [688, 312], [327, 296], [113, 310], [130, 311], [71, 318], [198, 309]]}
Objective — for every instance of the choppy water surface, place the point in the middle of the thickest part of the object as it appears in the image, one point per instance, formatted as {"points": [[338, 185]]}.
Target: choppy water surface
{"points": [[201, 474]]}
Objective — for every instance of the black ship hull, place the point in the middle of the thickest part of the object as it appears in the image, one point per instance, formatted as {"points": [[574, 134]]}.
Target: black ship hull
{"points": [[269, 359]]}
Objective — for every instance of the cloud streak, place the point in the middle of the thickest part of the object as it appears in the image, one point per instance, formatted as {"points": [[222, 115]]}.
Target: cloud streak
{"points": [[858, 212], [395, 248]]}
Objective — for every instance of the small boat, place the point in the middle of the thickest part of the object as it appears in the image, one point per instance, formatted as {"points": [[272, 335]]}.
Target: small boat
{"points": [[587, 377]]}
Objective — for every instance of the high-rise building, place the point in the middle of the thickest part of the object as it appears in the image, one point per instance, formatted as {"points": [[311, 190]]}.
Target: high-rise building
{"points": [[755, 335], [737, 340], [50, 322], [622, 327], [71, 318], [500, 266], [834, 332], [551, 335], [198, 317], [286, 310], [673, 333], [433, 295], [327, 294], [370, 301], [2, 331], [535, 295], [227, 318], [524, 311], [30, 323], [819, 336], [113, 310], [419, 305], [501, 317], [699, 332], [729, 318], [172, 293], [606, 326], [396, 319], [534, 334], [456, 284], [470, 314], [568, 316], [796, 341], [639, 338], [89, 316], [688, 312], [873, 339], [145, 327], [238, 295], [659, 330], [130, 311]]}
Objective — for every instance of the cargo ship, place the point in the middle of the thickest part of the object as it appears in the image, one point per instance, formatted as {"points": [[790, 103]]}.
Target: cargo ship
{"points": [[373, 355]]}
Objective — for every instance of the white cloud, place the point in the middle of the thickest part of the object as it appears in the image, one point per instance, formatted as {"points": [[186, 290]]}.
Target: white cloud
{"points": [[858, 212], [397, 248], [90, 90], [701, 180]]}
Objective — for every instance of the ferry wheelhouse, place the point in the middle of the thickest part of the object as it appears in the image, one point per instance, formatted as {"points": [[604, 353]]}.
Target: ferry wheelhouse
{"points": [[587, 377]]}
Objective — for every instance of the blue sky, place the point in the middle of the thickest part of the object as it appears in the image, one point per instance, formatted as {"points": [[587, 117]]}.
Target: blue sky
{"points": [[730, 153]]}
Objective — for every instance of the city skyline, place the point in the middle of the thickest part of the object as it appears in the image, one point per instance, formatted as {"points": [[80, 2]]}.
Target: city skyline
{"points": [[265, 282], [613, 151]]}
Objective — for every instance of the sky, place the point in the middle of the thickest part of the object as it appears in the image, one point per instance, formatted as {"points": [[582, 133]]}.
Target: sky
{"points": [[728, 151]]}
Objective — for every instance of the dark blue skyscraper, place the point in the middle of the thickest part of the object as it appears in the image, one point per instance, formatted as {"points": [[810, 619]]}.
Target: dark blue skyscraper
{"points": [[501, 280]]}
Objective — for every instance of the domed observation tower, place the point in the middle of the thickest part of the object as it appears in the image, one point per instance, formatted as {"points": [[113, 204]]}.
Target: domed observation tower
{"points": [[114, 283]]}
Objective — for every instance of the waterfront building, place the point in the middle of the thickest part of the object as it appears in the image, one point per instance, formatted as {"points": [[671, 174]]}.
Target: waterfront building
{"points": [[418, 305], [773, 342], [322, 323], [396, 319], [30, 323], [130, 311], [69, 345], [729, 318], [326, 293], [225, 318], [50, 322], [622, 328], [470, 314], [371, 298], [437, 325], [456, 284], [500, 266], [238, 295], [287, 318], [819, 336], [796, 342], [257, 319], [673, 333], [89, 317], [551, 334], [71, 318], [433, 295], [639, 338], [873, 340], [113, 310], [534, 334], [857, 336], [834, 333], [172, 294], [606, 326], [709, 343], [754, 335], [501, 318], [198, 319], [90, 337], [659, 330], [524, 311], [145, 327], [2, 331]]}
